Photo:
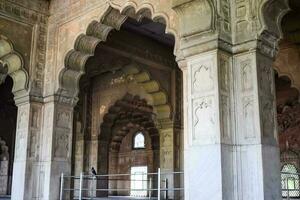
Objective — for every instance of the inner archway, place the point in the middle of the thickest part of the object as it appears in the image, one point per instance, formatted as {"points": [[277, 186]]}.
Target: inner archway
{"points": [[128, 82]]}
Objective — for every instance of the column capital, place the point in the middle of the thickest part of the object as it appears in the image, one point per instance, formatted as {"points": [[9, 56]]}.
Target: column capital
{"points": [[60, 99], [233, 26]]}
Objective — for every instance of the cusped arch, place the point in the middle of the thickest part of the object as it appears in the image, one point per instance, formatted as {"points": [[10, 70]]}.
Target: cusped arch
{"points": [[271, 13], [287, 64], [290, 76], [11, 63], [146, 9], [85, 45], [126, 114]]}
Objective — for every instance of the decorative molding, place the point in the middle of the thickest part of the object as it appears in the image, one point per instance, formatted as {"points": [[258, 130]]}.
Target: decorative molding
{"points": [[38, 19]]}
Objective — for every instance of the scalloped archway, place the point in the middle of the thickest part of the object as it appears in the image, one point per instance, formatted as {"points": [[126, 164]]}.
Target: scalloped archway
{"points": [[11, 63], [97, 32]]}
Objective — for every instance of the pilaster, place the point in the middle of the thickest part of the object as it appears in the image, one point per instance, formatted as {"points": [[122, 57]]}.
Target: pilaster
{"points": [[256, 128], [27, 171], [207, 135], [57, 144]]}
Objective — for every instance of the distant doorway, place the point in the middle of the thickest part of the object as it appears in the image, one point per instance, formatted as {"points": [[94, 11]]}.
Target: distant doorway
{"points": [[139, 182]]}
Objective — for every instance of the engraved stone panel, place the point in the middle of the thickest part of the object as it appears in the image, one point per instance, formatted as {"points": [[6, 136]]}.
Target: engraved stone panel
{"points": [[225, 117], [224, 73], [246, 76], [203, 118], [268, 118], [248, 117], [63, 119], [33, 146], [202, 77], [62, 147]]}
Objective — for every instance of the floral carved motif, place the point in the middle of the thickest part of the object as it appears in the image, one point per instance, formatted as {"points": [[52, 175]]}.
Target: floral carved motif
{"points": [[202, 79], [203, 117], [246, 76]]}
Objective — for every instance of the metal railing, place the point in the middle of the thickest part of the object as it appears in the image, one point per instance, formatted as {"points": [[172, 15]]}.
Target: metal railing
{"points": [[157, 183]]}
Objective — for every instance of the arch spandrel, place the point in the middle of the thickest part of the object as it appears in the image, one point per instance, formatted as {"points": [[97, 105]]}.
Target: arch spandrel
{"points": [[11, 63]]}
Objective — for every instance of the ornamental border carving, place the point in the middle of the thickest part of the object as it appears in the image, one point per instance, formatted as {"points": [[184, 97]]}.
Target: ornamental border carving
{"points": [[39, 20]]}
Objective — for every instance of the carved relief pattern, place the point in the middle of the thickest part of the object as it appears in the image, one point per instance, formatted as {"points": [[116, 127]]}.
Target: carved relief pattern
{"points": [[63, 119], [29, 16], [224, 74], [246, 76], [226, 13], [167, 159], [266, 82], [268, 117], [241, 15], [33, 146], [62, 148], [248, 117], [203, 117], [225, 117], [202, 78], [267, 97], [34, 132], [22, 130]]}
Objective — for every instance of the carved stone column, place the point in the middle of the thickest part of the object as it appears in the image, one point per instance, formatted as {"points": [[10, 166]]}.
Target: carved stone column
{"points": [[257, 165], [230, 144], [166, 134], [208, 145], [79, 150], [57, 145], [26, 171]]}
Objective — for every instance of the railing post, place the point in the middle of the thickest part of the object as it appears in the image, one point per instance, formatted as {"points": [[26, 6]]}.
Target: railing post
{"points": [[61, 186], [158, 184], [80, 186], [288, 191], [150, 188], [166, 187]]}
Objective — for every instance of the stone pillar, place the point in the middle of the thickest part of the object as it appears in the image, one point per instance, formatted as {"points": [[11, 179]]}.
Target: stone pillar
{"points": [[166, 134], [207, 148], [230, 129], [257, 165], [79, 152], [26, 170], [57, 146]]}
